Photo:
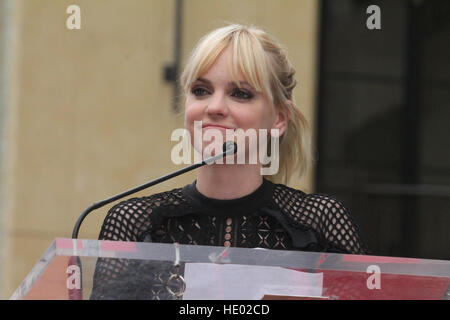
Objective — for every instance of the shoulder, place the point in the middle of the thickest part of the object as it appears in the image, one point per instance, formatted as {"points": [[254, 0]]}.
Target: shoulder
{"points": [[129, 219], [143, 206], [307, 208], [297, 202], [323, 213]]}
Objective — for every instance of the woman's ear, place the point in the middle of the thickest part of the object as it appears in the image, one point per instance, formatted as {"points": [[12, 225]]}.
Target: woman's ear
{"points": [[281, 121]]}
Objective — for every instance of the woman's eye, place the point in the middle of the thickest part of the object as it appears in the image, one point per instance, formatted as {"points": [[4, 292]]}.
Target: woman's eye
{"points": [[241, 94], [198, 92]]}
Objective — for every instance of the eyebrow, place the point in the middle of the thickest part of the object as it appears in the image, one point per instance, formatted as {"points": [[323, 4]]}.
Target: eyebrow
{"points": [[231, 82]]}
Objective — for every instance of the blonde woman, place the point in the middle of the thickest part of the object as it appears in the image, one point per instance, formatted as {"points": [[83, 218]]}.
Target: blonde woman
{"points": [[238, 78]]}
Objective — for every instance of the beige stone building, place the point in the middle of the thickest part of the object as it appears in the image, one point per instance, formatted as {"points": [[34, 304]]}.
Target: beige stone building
{"points": [[86, 113]]}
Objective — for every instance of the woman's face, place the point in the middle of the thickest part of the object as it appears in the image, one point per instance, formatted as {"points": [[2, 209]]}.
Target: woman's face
{"points": [[219, 104]]}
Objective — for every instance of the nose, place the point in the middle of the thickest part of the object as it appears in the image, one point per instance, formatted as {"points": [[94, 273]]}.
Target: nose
{"points": [[217, 105]]}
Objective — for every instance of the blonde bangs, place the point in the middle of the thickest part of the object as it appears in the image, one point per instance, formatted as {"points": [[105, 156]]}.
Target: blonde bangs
{"points": [[247, 59], [200, 61]]}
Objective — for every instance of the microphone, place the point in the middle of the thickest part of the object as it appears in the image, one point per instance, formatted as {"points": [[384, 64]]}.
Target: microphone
{"points": [[228, 148]]}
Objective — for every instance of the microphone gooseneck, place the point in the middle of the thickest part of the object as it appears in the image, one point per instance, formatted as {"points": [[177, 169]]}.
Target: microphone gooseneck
{"points": [[229, 148]]}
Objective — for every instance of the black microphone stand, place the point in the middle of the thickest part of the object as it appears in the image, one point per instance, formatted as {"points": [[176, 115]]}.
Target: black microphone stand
{"points": [[229, 148]]}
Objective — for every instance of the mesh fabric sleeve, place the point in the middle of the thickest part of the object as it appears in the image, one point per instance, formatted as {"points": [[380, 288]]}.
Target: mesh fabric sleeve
{"points": [[331, 222], [127, 221], [126, 279], [338, 228]]}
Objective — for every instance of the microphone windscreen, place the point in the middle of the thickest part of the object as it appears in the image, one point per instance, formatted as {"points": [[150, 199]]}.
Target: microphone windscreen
{"points": [[229, 147]]}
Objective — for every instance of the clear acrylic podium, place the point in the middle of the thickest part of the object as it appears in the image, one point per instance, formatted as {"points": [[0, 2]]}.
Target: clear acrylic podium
{"points": [[172, 271]]}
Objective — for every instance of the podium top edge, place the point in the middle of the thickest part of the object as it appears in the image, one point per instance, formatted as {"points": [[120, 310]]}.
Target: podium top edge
{"points": [[250, 256]]}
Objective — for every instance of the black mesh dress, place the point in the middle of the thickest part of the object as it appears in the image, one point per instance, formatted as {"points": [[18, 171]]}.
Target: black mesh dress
{"points": [[274, 217]]}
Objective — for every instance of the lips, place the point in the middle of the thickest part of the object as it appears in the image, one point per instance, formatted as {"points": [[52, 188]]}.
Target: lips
{"points": [[215, 126]]}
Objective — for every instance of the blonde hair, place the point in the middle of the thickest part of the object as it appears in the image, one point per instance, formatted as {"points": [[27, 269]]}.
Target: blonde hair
{"points": [[264, 65]]}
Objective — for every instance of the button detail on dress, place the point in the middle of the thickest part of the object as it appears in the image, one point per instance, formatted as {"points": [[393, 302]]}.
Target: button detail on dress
{"points": [[227, 235]]}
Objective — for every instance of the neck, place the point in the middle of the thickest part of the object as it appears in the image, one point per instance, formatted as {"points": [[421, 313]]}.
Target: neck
{"points": [[221, 181]]}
